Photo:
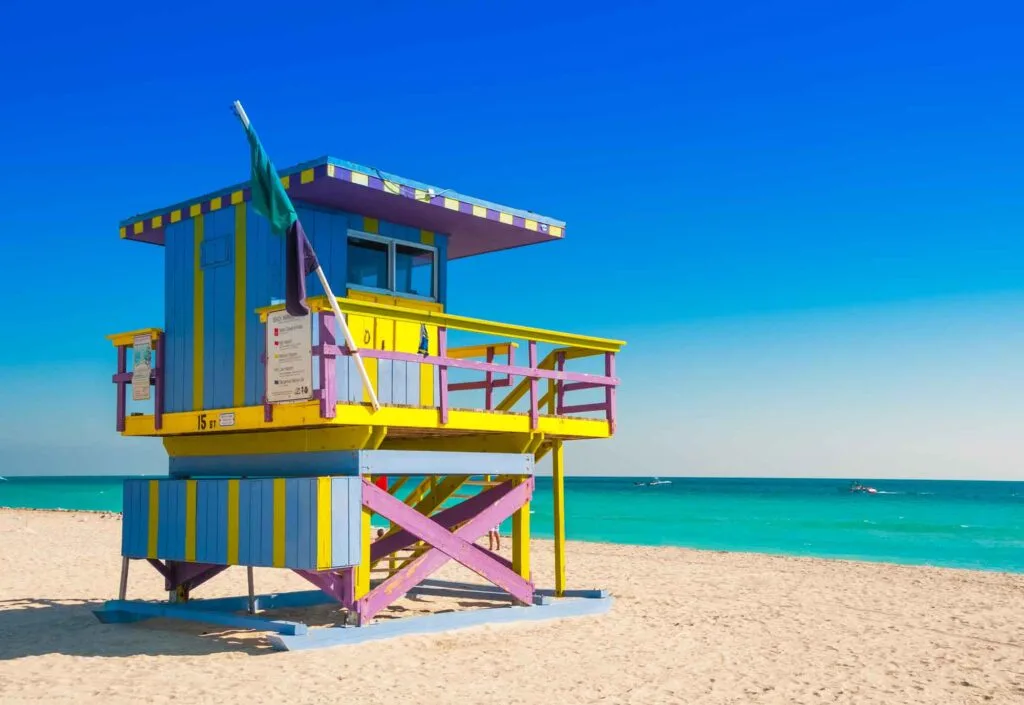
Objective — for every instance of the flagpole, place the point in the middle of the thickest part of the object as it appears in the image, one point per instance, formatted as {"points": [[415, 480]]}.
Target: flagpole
{"points": [[349, 341]]}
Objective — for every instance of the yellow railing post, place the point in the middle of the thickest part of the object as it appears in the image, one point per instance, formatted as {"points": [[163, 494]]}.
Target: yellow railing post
{"points": [[521, 539], [363, 570], [558, 494]]}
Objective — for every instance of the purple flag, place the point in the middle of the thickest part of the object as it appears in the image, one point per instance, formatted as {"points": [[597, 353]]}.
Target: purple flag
{"points": [[300, 261]]}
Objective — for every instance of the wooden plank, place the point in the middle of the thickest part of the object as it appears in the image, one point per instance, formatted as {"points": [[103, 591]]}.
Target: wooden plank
{"points": [[443, 622], [112, 611]]}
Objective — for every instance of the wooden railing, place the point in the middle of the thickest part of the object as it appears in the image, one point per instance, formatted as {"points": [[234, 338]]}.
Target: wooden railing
{"points": [[479, 358], [124, 342]]}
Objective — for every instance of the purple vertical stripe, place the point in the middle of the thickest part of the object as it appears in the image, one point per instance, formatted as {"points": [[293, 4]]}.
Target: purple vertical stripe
{"points": [[442, 351], [533, 385], [609, 391], [158, 403], [122, 367]]}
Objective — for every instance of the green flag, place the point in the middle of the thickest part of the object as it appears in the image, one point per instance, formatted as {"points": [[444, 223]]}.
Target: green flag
{"points": [[268, 195], [270, 200]]}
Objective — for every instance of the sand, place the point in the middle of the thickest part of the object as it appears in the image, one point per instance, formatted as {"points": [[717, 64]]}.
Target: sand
{"points": [[687, 627]]}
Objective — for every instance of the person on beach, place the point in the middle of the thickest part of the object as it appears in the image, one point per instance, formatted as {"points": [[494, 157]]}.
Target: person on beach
{"points": [[494, 539]]}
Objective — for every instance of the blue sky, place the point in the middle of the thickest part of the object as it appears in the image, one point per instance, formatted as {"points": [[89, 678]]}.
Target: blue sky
{"points": [[805, 217]]}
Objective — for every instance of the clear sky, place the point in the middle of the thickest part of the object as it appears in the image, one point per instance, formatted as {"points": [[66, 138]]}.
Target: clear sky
{"points": [[804, 217]]}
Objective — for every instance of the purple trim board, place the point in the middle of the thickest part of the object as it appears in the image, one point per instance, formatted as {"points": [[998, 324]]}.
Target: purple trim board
{"points": [[473, 227]]}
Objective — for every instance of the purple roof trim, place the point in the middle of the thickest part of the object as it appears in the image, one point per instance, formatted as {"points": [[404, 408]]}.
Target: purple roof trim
{"points": [[332, 187]]}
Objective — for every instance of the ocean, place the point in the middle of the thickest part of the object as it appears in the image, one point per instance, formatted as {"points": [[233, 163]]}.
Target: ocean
{"points": [[957, 524]]}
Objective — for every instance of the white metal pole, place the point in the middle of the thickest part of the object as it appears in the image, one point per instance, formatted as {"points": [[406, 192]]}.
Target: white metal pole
{"points": [[348, 339], [346, 333]]}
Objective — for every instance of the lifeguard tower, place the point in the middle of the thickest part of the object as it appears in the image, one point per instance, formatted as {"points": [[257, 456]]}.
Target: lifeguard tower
{"points": [[277, 458]]}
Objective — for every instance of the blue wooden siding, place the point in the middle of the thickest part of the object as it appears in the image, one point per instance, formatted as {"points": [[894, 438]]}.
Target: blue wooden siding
{"points": [[217, 258], [171, 521], [212, 521], [300, 523], [264, 284], [255, 521], [178, 314], [327, 232], [346, 511], [135, 518]]}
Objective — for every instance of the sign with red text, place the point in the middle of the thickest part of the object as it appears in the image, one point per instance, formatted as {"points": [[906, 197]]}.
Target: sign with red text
{"points": [[289, 357]]}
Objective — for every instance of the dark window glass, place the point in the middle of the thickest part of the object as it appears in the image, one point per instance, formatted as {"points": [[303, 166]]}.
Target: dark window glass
{"points": [[414, 270], [367, 263]]}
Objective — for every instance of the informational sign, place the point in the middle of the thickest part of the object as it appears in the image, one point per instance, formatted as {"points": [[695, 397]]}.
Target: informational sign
{"points": [[289, 357], [142, 366]]}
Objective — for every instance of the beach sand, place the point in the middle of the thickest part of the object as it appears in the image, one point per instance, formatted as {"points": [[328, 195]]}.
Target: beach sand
{"points": [[687, 627]]}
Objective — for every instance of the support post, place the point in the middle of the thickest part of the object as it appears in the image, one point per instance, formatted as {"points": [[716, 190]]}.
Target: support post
{"points": [[268, 408], [521, 539], [158, 392], [123, 590], [532, 353], [560, 384], [489, 391], [442, 372], [122, 368], [609, 391], [327, 362], [252, 589], [365, 541], [558, 493]]}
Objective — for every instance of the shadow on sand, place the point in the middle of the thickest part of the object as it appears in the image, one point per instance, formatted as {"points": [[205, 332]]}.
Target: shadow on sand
{"points": [[40, 626]]}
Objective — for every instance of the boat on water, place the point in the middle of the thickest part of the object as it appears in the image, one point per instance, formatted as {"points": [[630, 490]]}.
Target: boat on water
{"points": [[652, 482], [864, 489]]}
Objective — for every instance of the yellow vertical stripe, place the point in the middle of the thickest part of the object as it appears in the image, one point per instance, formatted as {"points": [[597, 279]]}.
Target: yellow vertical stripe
{"points": [[279, 519], [521, 541], [364, 331], [190, 520], [233, 522], [154, 517], [427, 372], [323, 523], [371, 225], [558, 495], [240, 306], [363, 570], [197, 316]]}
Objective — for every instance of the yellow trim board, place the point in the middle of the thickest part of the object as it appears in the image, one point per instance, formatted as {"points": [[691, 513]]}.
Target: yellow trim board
{"points": [[307, 414], [233, 522], [468, 352], [119, 339], [295, 441], [198, 315], [190, 520], [464, 323], [323, 523], [279, 521], [238, 396]]}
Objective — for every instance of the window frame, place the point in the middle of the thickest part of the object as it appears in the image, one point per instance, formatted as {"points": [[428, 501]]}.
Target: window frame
{"points": [[391, 244]]}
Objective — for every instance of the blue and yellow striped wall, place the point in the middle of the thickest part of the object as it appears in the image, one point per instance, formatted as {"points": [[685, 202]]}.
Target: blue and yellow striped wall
{"points": [[307, 523], [220, 266]]}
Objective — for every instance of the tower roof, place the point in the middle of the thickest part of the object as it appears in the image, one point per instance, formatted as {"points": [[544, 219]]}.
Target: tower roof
{"points": [[474, 226]]}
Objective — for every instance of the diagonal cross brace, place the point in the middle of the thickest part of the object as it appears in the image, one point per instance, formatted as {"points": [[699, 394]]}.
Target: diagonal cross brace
{"points": [[403, 538], [446, 545], [338, 585]]}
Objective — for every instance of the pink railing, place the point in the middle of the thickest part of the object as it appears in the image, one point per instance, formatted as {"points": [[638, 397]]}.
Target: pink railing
{"points": [[122, 379], [496, 375]]}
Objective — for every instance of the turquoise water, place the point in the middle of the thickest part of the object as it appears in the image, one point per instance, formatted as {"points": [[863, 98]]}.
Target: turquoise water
{"points": [[956, 524]]}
